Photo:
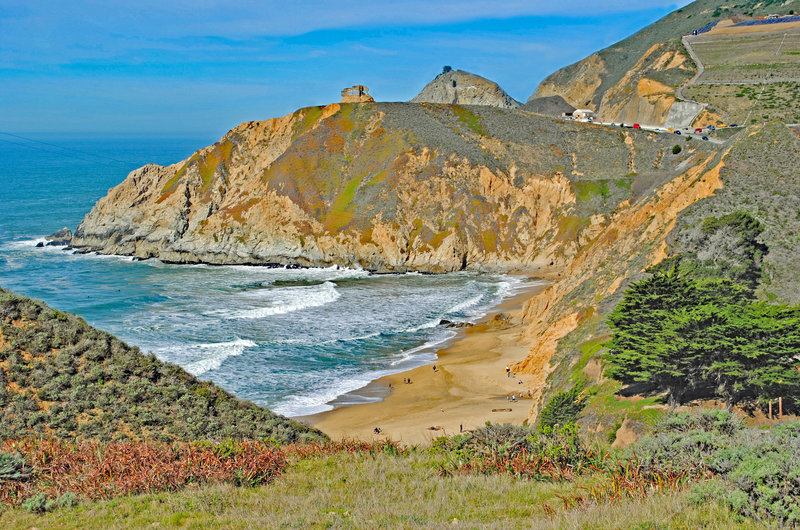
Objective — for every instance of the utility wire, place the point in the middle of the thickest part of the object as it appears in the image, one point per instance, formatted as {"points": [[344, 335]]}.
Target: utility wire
{"points": [[60, 153], [68, 151]]}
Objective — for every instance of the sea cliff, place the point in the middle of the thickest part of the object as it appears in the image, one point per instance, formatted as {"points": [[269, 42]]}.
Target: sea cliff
{"points": [[386, 187]]}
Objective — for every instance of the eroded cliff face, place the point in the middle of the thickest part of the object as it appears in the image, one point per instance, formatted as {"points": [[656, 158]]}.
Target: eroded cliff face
{"points": [[642, 94], [577, 84], [632, 240], [387, 187]]}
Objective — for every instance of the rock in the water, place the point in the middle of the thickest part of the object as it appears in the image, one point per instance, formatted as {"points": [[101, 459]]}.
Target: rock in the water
{"points": [[39, 244], [59, 238], [451, 324], [464, 88]]}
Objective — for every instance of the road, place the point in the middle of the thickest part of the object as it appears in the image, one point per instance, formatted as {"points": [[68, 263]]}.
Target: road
{"points": [[700, 71]]}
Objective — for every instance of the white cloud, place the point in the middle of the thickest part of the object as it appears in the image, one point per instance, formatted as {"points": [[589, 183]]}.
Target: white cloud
{"points": [[173, 18]]}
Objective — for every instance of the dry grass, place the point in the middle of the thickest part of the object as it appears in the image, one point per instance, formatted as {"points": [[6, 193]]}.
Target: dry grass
{"points": [[377, 490]]}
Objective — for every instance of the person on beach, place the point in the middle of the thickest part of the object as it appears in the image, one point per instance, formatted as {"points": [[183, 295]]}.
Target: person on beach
{"points": [[434, 367], [508, 371], [377, 430]]}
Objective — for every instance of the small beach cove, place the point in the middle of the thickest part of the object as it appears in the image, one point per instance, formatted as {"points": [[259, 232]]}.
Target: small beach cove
{"points": [[468, 388]]}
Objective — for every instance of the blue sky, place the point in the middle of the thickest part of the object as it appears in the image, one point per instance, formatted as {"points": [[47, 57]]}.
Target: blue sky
{"points": [[201, 67]]}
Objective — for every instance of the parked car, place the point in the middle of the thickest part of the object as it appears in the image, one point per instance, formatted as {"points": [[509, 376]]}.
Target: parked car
{"points": [[698, 130], [733, 125], [705, 137], [677, 132], [637, 126]]}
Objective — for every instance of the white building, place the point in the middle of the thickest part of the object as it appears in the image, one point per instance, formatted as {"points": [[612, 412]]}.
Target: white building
{"points": [[584, 114]]}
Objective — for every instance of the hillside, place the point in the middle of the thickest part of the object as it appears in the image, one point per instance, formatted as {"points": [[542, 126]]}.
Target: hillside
{"points": [[569, 323], [635, 80], [61, 377], [387, 187]]}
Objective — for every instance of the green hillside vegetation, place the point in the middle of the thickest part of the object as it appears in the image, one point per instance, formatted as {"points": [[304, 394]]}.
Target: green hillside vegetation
{"points": [[61, 377]]}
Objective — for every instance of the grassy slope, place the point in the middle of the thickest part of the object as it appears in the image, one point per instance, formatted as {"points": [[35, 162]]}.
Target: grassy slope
{"points": [[59, 376], [619, 58], [378, 491]]}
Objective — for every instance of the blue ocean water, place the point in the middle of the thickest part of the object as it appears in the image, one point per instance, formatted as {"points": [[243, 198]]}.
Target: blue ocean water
{"points": [[291, 340]]}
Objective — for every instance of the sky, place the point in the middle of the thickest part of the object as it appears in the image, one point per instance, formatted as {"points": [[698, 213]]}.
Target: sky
{"points": [[200, 67]]}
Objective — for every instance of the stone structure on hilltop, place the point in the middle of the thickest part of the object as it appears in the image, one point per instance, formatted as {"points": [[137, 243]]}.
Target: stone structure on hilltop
{"points": [[356, 94]]}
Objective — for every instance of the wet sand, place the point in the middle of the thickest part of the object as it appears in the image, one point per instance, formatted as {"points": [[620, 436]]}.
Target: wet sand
{"points": [[468, 388]]}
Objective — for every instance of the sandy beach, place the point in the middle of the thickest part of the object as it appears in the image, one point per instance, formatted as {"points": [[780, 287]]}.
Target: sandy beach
{"points": [[468, 388]]}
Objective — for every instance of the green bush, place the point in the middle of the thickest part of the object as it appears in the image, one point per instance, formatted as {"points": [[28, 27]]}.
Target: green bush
{"points": [[676, 149], [563, 408], [756, 472], [41, 503], [12, 467]]}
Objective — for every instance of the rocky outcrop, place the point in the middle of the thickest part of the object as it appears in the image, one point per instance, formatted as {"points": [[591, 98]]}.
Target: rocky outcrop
{"points": [[549, 106], [463, 88], [59, 237], [386, 187]]}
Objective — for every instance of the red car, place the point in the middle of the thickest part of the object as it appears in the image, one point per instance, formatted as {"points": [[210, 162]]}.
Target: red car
{"points": [[698, 130], [636, 126]]}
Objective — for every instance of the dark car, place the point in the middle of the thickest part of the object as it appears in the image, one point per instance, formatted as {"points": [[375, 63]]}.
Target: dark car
{"points": [[705, 137], [733, 125], [677, 132]]}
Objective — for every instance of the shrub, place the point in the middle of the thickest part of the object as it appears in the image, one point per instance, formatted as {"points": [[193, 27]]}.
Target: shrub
{"points": [[523, 452], [12, 467], [676, 149], [563, 408], [100, 471], [757, 472], [41, 503]]}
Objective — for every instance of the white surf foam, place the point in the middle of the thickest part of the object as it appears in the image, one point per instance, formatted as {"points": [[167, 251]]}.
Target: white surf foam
{"points": [[291, 299], [466, 304], [214, 354], [319, 401], [316, 402]]}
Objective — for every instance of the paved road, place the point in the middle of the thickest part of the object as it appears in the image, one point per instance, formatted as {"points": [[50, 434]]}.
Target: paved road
{"points": [[685, 133]]}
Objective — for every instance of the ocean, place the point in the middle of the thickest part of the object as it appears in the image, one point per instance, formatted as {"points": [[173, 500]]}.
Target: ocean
{"points": [[289, 339]]}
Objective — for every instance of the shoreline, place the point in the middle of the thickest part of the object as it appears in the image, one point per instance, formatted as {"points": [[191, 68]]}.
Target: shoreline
{"points": [[468, 388], [385, 400]]}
